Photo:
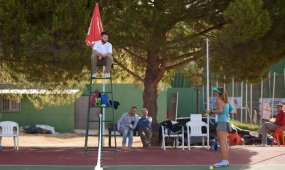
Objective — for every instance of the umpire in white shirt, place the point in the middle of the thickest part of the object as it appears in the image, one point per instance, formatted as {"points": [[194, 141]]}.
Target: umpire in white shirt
{"points": [[102, 53]]}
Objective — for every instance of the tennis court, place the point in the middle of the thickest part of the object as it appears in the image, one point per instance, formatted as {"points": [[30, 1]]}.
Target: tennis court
{"points": [[232, 167], [156, 159]]}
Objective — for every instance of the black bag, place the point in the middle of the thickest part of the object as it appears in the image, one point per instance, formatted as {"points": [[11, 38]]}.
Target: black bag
{"points": [[35, 129], [32, 129], [176, 128], [116, 104], [170, 129]]}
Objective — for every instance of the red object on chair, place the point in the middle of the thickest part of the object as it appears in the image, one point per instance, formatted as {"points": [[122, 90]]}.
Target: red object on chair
{"points": [[276, 133]]}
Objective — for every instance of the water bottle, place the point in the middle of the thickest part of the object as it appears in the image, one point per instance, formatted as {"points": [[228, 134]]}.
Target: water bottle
{"points": [[216, 143], [242, 141], [229, 143], [218, 146], [213, 143], [0, 148]]}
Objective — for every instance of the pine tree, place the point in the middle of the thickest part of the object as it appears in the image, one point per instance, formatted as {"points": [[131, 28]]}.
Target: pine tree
{"points": [[43, 41]]}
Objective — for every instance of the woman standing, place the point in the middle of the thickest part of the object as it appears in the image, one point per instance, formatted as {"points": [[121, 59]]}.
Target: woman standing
{"points": [[222, 117]]}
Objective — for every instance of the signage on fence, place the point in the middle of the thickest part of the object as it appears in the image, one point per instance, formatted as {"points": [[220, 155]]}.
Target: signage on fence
{"points": [[266, 104], [235, 101], [266, 111]]}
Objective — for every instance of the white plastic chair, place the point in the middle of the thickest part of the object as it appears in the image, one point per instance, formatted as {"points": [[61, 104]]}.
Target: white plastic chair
{"points": [[7, 131], [196, 117], [172, 135], [194, 128]]}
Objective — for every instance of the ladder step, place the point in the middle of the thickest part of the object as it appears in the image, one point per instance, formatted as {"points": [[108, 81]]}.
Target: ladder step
{"points": [[100, 106], [102, 135], [104, 148], [93, 78], [91, 92]]}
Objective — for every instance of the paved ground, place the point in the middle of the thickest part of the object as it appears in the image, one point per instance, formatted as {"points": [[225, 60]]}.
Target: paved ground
{"points": [[65, 152], [137, 158], [61, 140], [232, 167]]}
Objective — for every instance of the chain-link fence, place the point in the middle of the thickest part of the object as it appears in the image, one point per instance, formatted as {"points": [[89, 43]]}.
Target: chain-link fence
{"points": [[254, 101]]}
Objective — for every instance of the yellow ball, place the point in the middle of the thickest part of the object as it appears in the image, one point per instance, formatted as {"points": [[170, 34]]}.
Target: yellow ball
{"points": [[211, 167]]}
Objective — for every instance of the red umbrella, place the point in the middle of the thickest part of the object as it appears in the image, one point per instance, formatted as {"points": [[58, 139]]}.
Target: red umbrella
{"points": [[95, 27]]}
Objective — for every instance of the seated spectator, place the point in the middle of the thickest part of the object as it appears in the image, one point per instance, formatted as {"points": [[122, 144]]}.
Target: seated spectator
{"points": [[270, 126], [126, 124], [144, 128]]}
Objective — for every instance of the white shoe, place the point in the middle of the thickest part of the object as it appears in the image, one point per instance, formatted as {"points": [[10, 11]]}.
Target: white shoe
{"points": [[222, 163], [94, 75], [254, 133], [106, 75]]}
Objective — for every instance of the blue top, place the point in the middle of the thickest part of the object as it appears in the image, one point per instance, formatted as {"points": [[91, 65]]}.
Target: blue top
{"points": [[144, 122], [224, 116]]}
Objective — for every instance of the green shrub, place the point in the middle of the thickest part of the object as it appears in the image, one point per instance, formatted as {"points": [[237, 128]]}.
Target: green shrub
{"points": [[245, 126]]}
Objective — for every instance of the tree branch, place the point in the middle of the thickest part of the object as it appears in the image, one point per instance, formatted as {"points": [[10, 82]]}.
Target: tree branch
{"points": [[160, 75], [134, 54], [128, 70], [218, 26], [181, 56], [180, 64]]}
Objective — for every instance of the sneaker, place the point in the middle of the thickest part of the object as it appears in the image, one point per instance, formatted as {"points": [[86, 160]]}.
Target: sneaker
{"points": [[106, 75], [254, 133], [94, 75], [263, 145], [228, 162], [222, 163], [148, 145]]}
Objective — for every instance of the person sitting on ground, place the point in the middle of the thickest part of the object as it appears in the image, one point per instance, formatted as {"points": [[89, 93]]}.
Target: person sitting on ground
{"points": [[144, 128], [102, 51], [126, 124], [270, 126]]}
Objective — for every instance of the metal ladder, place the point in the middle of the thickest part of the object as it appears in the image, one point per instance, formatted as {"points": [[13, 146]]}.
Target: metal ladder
{"points": [[92, 86]]}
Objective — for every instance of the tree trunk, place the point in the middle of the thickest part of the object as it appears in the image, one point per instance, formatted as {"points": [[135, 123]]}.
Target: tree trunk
{"points": [[153, 75], [150, 95]]}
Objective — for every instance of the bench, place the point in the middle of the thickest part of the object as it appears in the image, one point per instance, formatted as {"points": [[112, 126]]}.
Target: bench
{"points": [[111, 130], [154, 126]]}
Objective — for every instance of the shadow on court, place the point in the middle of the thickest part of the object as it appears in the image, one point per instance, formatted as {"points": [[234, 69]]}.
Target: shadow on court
{"points": [[232, 167], [241, 158]]}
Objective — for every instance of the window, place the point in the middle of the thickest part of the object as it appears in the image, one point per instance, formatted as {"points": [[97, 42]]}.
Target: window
{"points": [[8, 105]]}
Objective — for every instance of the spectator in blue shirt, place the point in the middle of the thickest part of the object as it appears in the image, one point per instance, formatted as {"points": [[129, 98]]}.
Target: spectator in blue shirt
{"points": [[144, 128]]}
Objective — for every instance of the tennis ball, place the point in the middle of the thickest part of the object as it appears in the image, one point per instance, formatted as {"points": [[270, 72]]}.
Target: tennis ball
{"points": [[211, 167]]}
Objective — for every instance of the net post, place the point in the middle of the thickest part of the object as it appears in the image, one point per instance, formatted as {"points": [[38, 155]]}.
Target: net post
{"points": [[99, 165]]}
